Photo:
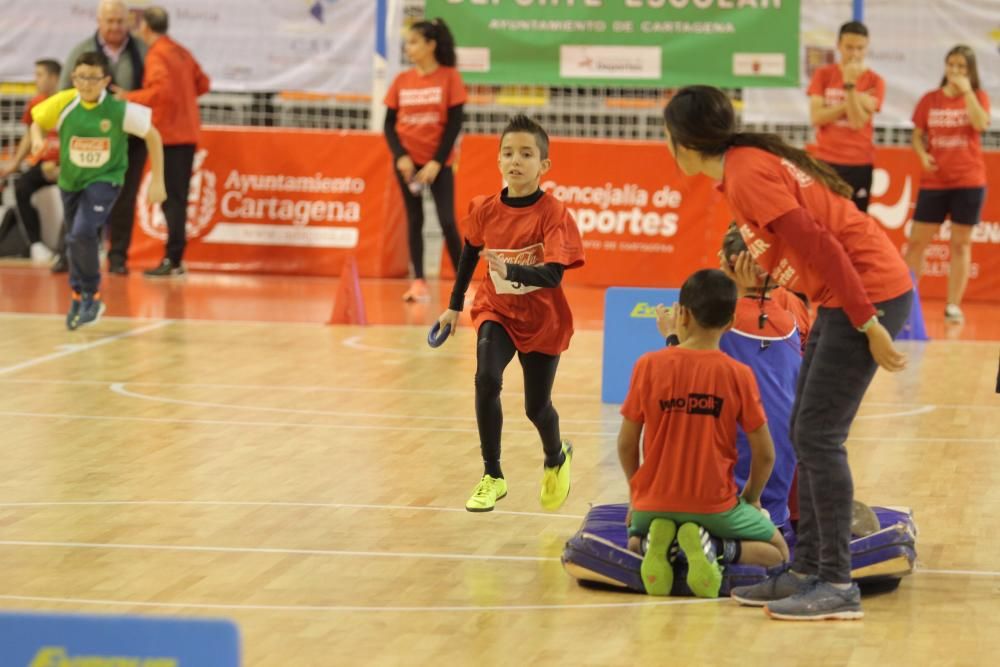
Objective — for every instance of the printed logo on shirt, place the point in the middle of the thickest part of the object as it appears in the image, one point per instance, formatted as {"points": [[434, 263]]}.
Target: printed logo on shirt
{"points": [[530, 256], [694, 404], [105, 125], [804, 179], [756, 246], [428, 118], [89, 152], [417, 96], [947, 118]]}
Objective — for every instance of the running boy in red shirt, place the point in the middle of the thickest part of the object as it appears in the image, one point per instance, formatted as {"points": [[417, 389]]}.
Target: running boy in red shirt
{"points": [[530, 239], [689, 399]]}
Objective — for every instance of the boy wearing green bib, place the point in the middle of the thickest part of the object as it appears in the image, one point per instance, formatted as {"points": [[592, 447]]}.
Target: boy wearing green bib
{"points": [[93, 151]]}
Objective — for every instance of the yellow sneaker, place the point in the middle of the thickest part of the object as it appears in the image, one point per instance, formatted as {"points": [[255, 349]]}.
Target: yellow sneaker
{"points": [[486, 494], [657, 572], [555, 481]]}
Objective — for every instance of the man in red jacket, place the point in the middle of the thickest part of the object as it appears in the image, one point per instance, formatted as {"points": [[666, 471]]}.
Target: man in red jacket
{"points": [[171, 84]]}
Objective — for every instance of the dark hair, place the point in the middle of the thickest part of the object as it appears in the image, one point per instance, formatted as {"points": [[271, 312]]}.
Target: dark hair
{"points": [[94, 59], [970, 63], [51, 66], [710, 295], [444, 43], [852, 28], [732, 242], [157, 20], [521, 123], [701, 118]]}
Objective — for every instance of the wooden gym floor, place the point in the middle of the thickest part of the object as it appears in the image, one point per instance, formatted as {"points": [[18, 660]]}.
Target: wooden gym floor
{"points": [[211, 449]]}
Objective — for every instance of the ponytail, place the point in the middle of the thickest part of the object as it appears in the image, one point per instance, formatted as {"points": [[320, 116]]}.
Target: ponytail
{"points": [[774, 144]]}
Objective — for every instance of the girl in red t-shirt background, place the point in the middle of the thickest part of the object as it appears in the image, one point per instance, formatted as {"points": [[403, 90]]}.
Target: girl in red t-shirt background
{"points": [[801, 226], [422, 121], [947, 124], [529, 239]]}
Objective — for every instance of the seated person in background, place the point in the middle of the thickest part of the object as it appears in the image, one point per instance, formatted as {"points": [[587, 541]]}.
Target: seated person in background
{"points": [[689, 398], [45, 169]]}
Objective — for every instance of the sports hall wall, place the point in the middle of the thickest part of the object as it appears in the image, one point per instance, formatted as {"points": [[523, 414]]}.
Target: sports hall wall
{"points": [[290, 178]]}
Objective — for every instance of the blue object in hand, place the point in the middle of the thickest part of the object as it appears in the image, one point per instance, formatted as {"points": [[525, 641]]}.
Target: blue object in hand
{"points": [[437, 336]]}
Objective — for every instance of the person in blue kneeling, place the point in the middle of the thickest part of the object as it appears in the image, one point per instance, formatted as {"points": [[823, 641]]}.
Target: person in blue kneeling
{"points": [[689, 399]]}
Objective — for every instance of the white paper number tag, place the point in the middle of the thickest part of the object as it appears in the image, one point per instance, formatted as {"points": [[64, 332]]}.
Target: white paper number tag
{"points": [[89, 152]]}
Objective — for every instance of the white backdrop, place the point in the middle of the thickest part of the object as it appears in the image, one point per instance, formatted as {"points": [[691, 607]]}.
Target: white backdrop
{"points": [[909, 39], [310, 45]]}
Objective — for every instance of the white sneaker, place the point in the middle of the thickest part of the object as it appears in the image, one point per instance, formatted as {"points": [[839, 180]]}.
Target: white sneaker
{"points": [[40, 253], [953, 313]]}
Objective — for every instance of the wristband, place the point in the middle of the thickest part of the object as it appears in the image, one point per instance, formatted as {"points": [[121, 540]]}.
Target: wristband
{"points": [[869, 324]]}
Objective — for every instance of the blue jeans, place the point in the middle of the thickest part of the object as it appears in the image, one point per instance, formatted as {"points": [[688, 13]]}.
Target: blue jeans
{"points": [[85, 213]]}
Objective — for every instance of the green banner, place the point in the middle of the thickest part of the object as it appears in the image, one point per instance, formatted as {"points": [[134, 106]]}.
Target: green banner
{"points": [[627, 43]]}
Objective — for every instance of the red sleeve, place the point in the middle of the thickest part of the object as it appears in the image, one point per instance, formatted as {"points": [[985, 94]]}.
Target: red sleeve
{"points": [[632, 407], [202, 83], [828, 259], [473, 227], [562, 242], [818, 84], [921, 112], [984, 100], [26, 116], [392, 97], [155, 81], [878, 92], [457, 94], [757, 189], [751, 415]]}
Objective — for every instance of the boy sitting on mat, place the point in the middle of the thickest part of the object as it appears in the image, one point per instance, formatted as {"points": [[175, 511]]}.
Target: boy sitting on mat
{"points": [[689, 398]]}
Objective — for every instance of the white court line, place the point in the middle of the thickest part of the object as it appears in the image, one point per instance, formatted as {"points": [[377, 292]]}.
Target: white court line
{"points": [[272, 550], [966, 573], [250, 503], [379, 427], [84, 347], [352, 608], [354, 342], [924, 409], [277, 387], [224, 422], [119, 388]]}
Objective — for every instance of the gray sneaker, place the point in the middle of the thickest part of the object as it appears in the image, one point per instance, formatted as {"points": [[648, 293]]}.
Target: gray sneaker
{"points": [[776, 587], [822, 602]]}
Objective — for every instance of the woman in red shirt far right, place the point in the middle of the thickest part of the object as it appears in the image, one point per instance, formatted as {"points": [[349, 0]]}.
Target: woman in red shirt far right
{"points": [[947, 124]]}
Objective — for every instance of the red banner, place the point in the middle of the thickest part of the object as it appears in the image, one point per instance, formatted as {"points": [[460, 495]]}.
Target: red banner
{"points": [[894, 196], [646, 224], [285, 201]]}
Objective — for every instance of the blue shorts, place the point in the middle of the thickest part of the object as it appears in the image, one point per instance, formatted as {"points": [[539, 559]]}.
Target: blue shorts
{"points": [[962, 205]]}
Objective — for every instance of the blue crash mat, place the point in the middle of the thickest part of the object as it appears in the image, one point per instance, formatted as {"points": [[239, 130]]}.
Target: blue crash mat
{"points": [[597, 553]]}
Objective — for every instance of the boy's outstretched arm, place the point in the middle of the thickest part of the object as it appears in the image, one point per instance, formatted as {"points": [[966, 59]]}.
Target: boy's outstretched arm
{"points": [[628, 447], [761, 463], [154, 144]]}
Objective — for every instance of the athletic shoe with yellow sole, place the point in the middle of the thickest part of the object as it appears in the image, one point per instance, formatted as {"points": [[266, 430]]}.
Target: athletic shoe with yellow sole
{"points": [[555, 481], [486, 494], [704, 576], [657, 573]]}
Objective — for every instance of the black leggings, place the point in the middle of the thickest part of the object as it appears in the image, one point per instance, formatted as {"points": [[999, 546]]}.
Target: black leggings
{"points": [[443, 190], [494, 351]]}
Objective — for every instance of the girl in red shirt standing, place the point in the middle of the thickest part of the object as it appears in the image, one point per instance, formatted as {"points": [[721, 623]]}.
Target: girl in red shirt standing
{"points": [[801, 226], [947, 124], [422, 122], [530, 239]]}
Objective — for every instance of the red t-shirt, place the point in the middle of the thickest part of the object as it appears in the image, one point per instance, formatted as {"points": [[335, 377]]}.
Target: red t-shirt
{"points": [[837, 142], [689, 402], [951, 140], [761, 187], [422, 102], [51, 152], [538, 319]]}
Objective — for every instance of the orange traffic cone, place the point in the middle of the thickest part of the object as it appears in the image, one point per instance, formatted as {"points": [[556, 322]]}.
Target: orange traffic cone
{"points": [[349, 305]]}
